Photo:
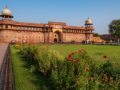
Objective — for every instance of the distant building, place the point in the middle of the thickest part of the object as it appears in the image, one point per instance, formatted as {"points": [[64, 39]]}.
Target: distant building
{"points": [[52, 32], [109, 38]]}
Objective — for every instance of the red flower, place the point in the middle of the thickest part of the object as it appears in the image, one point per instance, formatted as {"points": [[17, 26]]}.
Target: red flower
{"points": [[70, 57], [91, 78], [79, 51], [87, 68], [72, 53], [76, 60]]}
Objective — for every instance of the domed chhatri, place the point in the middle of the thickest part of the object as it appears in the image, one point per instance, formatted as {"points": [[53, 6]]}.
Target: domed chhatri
{"points": [[6, 13], [88, 22]]}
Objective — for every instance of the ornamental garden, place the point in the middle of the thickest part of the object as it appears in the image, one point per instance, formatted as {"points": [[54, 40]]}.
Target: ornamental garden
{"points": [[65, 67]]}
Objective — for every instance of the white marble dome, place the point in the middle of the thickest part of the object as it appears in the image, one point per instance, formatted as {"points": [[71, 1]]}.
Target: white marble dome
{"points": [[6, 12], [88, 21]]}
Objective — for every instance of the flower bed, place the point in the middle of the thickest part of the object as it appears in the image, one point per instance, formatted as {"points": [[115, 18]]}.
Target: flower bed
{"points": [[77, 71]]}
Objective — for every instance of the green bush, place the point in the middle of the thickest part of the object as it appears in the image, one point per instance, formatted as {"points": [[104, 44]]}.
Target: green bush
{"points": [[28, 54], [48, 60], [109, 75], [77, 71]]}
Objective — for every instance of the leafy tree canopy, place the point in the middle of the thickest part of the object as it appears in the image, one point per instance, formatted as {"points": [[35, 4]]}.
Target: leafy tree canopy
{"points": [[114, 28]]}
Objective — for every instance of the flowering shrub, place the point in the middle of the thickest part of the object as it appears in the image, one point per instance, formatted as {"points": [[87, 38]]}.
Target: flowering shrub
{"points": [[48, 60], [109, 76], [77, 72]]}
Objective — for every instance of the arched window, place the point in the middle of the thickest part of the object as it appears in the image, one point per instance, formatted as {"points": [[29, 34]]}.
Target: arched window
{"points": [[6, 26]]}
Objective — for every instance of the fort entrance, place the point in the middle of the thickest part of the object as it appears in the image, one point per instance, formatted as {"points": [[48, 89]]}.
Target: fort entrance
{"points": [[57, 37]]}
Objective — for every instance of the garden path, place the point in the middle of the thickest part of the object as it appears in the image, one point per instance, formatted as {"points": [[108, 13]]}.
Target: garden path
{"points": [[3, 49]]}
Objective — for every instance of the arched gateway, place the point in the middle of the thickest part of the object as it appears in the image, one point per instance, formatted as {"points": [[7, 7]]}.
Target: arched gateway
{"points": [[57, 37]]}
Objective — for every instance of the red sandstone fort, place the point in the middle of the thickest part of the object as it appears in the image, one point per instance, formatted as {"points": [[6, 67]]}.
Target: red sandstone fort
{"points": [[52, 32]]}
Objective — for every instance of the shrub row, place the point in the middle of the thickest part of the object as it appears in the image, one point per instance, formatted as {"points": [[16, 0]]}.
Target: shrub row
{"points": [[77, 71]]}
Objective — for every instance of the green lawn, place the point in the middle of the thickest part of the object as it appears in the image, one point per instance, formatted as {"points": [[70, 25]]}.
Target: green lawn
{"points": [[24, 78], [95, 51], [27, 80]]}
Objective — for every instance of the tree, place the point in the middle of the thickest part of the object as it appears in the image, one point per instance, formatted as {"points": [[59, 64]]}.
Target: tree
{"points": [[114, 29]]}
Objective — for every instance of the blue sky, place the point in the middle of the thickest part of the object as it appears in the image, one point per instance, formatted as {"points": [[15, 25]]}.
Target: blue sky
{"points": [[73, 12]]}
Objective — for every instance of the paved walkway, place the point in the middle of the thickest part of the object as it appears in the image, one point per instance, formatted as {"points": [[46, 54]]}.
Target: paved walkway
{"points": [[3, 48]]}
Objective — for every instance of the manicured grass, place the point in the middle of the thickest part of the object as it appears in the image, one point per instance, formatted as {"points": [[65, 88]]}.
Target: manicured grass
{"points": [[27, 80], [95, 51]]}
